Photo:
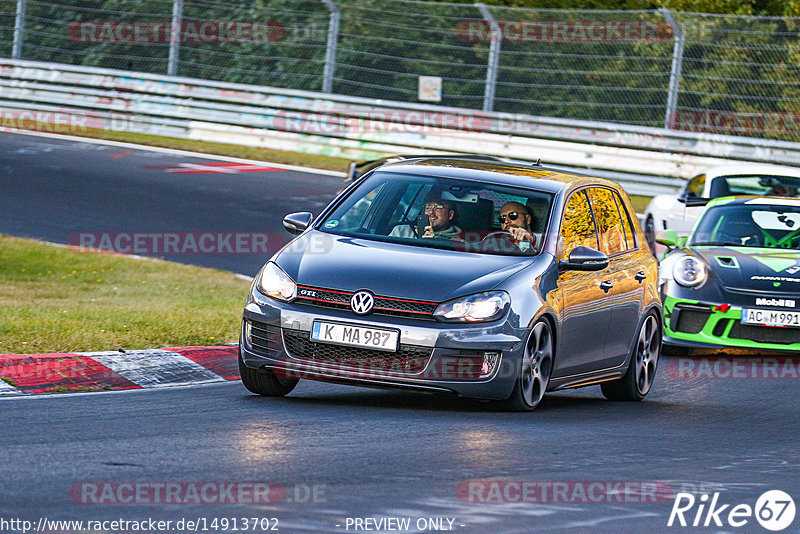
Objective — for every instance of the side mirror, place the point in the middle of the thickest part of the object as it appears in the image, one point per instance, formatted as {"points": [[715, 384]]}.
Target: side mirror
{"points": [[585, 259], [296, 223], [691, 200]]}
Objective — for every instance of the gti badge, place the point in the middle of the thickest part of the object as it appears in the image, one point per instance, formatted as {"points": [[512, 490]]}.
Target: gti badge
{"points": [[783, 303], [362, 302]]}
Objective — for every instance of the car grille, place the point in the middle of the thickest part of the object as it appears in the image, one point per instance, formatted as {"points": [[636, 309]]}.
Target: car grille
{"points": [[691, 321], [408, 359], [765, 334], [266, 340], [331, 298]]}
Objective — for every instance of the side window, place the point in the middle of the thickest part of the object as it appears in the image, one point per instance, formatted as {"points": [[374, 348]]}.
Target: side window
{"points": [[696, 185], [630, 237], [577, 227], [609, 226]]}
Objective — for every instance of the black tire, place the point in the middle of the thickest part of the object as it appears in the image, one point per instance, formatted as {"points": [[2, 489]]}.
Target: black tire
{"points": [[263, 381], [650, 233], [535, 369], [642, 366]]}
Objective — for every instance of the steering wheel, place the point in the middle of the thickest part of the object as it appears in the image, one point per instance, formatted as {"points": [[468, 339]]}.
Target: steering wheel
{"points": [[501, 241]]}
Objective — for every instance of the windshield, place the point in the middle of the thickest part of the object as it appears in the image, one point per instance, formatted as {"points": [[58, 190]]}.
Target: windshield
{"points": [[765, 226], [436, 212], [755, 184]]}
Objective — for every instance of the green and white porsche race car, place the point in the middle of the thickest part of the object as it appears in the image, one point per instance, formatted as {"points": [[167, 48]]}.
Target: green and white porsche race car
{"points": [[735, 280]]}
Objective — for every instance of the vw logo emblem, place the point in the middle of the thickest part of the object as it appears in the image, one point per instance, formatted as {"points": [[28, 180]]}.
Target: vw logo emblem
{"points": [[362, 302]]}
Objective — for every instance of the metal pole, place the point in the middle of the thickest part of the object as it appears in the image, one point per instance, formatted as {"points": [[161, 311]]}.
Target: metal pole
{"points": [[675, 72], [494, 57], [330, 53], [19, 30], [175, 37]]}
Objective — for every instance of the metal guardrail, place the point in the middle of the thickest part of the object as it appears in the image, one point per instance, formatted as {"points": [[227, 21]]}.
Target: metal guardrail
{"points": [[644, 160]]}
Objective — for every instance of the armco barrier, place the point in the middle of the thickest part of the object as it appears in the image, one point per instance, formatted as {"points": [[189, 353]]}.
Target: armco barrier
{"points": [[644, 160]]}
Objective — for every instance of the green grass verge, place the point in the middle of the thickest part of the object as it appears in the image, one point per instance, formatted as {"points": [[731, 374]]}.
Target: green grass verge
{"points": [[58, 300]]}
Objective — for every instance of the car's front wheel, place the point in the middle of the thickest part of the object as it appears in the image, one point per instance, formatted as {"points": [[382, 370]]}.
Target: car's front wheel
{"points": [[264, 382], [534, 371], [642, 367]]}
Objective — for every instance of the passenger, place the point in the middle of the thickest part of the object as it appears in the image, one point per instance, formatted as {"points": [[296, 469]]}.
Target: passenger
{"points": [[441, 213], [781, 190], [515, 219]]}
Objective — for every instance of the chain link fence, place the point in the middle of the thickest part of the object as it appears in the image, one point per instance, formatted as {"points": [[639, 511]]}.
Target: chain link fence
{"points": [[735, 75]]}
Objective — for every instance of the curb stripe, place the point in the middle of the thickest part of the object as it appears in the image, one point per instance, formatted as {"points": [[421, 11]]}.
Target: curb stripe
{"points": [[41, 373], [8, 389], [154, 368], [221, 360]]}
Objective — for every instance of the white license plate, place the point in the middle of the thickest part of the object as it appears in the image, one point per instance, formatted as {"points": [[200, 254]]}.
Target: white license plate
{"points": [[771, 317], [355, 336]]}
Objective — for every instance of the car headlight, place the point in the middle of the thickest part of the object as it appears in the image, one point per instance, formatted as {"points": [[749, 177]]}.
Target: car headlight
{"points": [[690, 271], [275, 283], [473, 308]]}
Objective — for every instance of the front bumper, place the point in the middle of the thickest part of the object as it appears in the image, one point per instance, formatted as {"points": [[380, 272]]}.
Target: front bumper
{"points": [[433, 357], [703, 324]]}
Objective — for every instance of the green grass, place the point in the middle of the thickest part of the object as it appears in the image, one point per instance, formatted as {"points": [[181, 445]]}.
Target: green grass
{"points": [[640, 202], [58, 300]]}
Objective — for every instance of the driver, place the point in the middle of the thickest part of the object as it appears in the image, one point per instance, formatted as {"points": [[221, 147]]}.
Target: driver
{"points": [[441, 213], [515, 219]]}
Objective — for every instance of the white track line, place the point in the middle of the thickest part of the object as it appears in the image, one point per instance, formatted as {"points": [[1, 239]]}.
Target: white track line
{"points": [[154, 368], [186, 153], [8, 389]]}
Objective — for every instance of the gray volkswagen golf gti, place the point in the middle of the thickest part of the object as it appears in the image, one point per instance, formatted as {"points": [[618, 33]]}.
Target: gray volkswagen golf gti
{"points": [[468, 277]]}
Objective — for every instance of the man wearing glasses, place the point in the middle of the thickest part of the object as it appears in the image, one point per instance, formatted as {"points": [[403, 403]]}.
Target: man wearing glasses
{"points": [[515, 219], [438, 214]]}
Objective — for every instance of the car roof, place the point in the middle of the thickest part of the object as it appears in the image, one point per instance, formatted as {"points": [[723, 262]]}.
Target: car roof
{"points": [[751, 168], [755, 200], [531, 176]]}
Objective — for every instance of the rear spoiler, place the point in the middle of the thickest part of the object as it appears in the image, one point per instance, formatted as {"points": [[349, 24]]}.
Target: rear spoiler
{"points": [[360, 168]]}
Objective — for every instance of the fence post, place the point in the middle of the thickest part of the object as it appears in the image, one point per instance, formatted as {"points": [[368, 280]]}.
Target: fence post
{"points": [[175, 37], [675, 71], [330, 52], [19, 30], [494, 57]]}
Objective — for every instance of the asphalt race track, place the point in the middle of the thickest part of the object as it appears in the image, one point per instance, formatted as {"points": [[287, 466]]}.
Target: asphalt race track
{"points": [[55, 189], [334, 456]]}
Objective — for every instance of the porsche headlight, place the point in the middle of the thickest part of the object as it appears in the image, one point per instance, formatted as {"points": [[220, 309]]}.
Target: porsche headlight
{"points": [[690, 271], [474, 308], [275, 283]]}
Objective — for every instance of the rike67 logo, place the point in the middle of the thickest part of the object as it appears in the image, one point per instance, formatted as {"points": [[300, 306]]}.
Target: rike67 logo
{"points": [[774, 510]]}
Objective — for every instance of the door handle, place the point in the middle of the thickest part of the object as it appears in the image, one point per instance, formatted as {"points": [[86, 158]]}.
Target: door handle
{"points": [[640, 276], [606, 286]]}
